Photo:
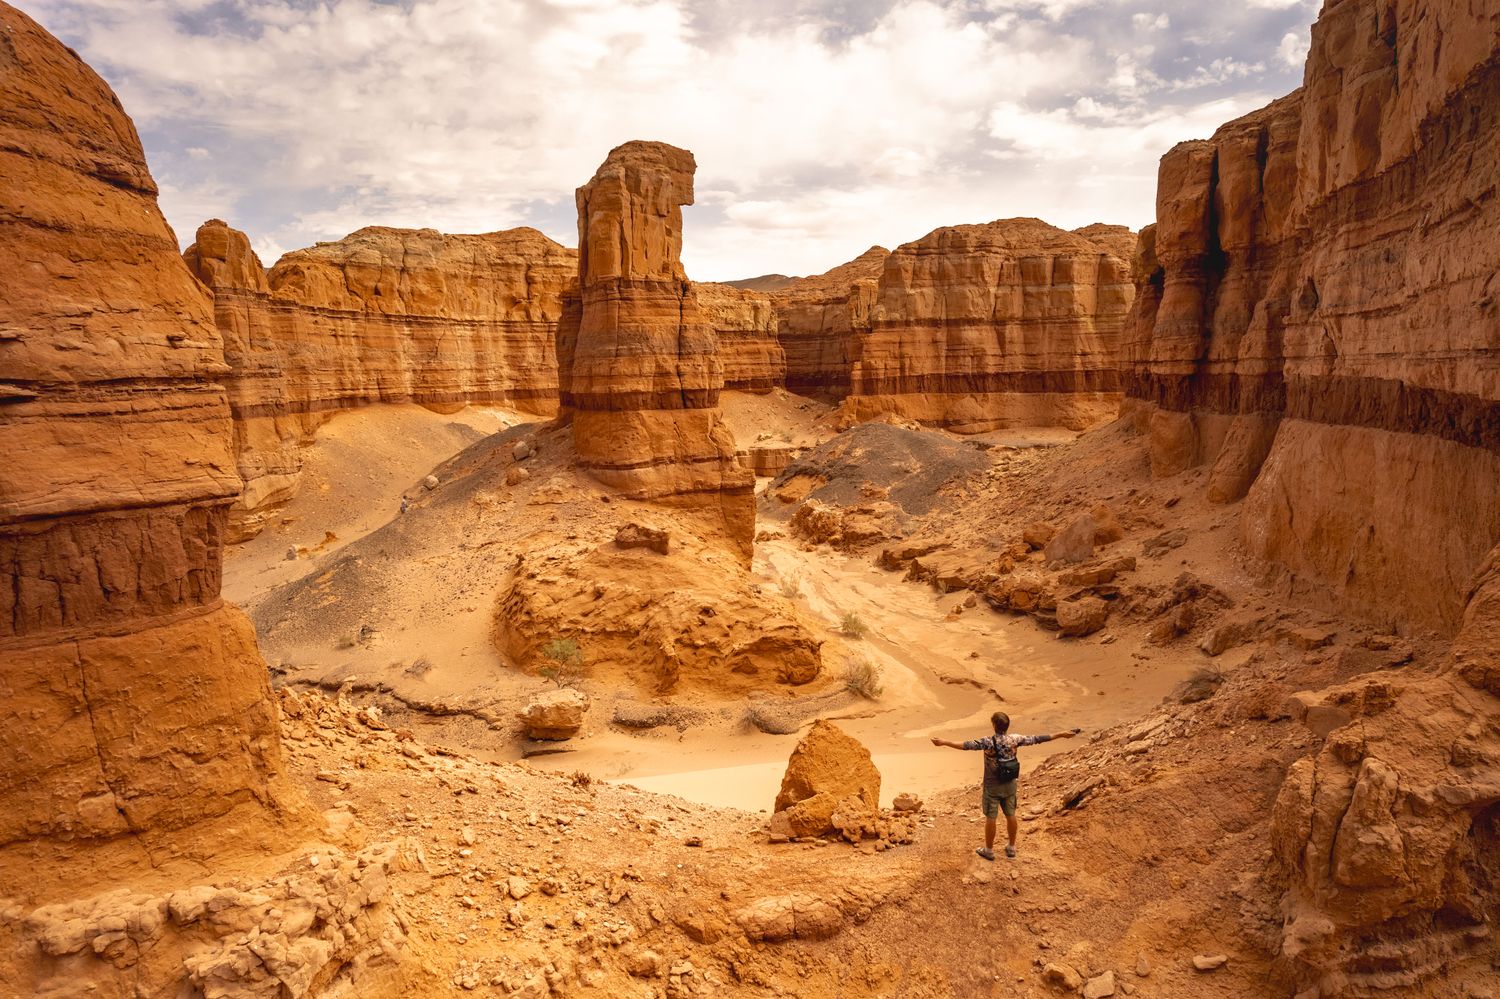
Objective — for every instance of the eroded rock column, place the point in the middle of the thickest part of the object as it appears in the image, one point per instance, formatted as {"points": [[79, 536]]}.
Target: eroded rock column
{"points": [[644, 374], [133, 702]]}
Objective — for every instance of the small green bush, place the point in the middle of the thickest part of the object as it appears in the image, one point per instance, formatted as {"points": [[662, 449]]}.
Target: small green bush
{"points": [[863, 678], [790, 586], [564, 665]]}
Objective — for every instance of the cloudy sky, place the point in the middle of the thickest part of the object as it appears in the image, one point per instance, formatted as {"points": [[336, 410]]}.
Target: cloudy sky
{"points": [[820, 127]]}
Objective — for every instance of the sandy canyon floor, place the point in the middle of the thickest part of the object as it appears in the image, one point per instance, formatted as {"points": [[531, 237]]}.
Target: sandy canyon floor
{"points": [[943, 673]]}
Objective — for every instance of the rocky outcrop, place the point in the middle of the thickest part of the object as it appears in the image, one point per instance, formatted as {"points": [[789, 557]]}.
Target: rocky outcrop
{"points": [[136, 711], [1012, 323], [828, 772], [1316, 318], [383, 315], [1387, 835], [642, 369]]}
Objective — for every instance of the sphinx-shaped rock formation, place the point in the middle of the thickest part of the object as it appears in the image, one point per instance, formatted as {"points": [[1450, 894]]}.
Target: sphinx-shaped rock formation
{"points": [[383, 315], [1317, 317], [640, 381], [1011, 323], [135, 710], [642, 370]]}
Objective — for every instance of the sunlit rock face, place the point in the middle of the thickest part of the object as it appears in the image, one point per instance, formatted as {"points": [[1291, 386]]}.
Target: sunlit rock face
{"points": [[643, 367], [1013, 323], [134, 705], [382, 315], [1316, 318]]}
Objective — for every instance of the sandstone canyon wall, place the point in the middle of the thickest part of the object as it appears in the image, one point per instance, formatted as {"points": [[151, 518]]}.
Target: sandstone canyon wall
{"points": [[820, 319], [383, 315], [134, 705], [1012, 323], [1317, 316], [745, 324], [642, 367]]}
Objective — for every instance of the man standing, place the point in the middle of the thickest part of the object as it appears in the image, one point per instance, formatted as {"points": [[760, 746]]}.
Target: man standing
{"points": [[1001, 768]]}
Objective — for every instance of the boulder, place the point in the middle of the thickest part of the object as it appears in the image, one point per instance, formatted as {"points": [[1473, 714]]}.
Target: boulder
{"points": [[1062, 976], [555, 715], [1074, 543], [640, 536], [906, 802], [1100, 986], [1038, 534], [784, 917], [824, 771], [1076, 618]]}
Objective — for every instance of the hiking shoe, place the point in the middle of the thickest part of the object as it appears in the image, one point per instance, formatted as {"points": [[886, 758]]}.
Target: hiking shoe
{"points": [[1010, 851], [986, 853]]}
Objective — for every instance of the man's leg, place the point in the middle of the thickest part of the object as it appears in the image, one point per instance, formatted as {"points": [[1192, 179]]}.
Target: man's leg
{"points": [[989, 831], [1012, 826]]}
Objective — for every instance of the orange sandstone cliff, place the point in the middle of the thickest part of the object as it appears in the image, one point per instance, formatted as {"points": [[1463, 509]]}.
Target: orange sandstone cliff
{"points": [[136, 709], [1316, 320], [1012, 323], [383, 315], [819, 320], [642, 372], [1316, 326]]}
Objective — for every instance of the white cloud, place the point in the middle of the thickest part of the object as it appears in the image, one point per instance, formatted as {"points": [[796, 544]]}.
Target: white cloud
{"points": [[1292, 51], [305, 122]]}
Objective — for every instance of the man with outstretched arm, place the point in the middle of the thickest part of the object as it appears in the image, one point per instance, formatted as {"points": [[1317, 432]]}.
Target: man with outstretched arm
{"points": [[1001, 768]]}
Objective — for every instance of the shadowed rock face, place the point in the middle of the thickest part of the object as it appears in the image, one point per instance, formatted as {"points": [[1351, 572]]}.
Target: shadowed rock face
{"points": [[383, 315], [1316, 314], [133, 702], [643, 373], [1009, 324]]}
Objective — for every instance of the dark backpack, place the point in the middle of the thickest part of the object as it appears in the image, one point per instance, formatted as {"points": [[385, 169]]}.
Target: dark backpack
{"points": [[1006, 770]]}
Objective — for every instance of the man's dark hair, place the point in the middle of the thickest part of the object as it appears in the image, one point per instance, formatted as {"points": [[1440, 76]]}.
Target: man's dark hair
{"points": [[1001, 721]]}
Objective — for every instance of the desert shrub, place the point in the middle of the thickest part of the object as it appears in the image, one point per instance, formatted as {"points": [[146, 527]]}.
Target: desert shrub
{"points": [[564, 661], [581, 779], [854, 626], [790, 586], [420, 666], [862, 677]]}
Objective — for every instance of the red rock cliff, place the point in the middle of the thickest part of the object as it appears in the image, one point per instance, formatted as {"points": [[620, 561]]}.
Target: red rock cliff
{"points": [[819, 321], [133, 702], [1011, 323], [383, 315], [643, 369], [1317, 315]]}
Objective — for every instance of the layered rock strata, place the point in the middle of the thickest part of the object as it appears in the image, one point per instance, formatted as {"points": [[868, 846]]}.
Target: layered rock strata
{"points": [[642, 367], [383, 315], [1012, 323], [136, 709], [820, 319], [1317, 317], [745, 324]]}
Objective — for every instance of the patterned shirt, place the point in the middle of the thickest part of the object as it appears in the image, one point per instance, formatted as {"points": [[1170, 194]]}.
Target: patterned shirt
{"points": [[1001, 747]]}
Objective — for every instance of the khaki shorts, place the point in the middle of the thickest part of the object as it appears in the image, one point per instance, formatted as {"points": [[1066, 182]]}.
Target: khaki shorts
{"points": [[999, 797]]}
